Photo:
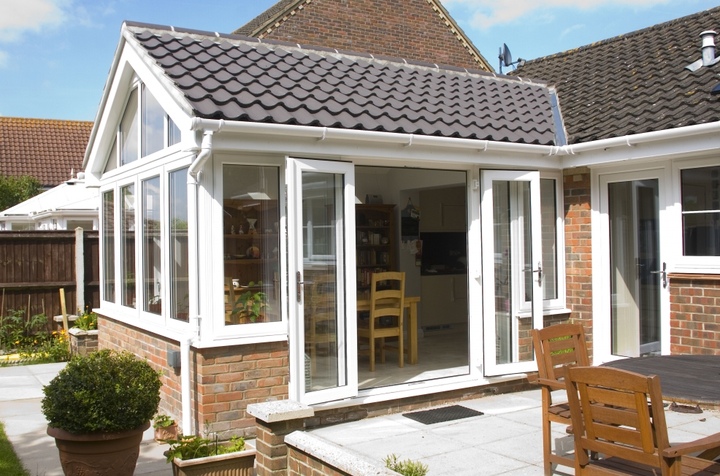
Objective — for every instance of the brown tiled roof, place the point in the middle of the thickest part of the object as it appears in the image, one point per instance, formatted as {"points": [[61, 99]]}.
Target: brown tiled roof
{"points": [[49, 150], [634, 83], [245, 79], [420, 30]]}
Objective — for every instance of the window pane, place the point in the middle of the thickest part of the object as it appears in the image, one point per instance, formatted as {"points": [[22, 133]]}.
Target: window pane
{"points": [[108, 237], [129, 131], [153, 124], [548, 211], [701, 211], [251, 244], [127, 243], [152, 251], [179, 274], [173, 132]]}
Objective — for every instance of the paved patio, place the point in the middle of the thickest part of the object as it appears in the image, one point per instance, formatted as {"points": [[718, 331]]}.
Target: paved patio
{"points": [[505, 440]]}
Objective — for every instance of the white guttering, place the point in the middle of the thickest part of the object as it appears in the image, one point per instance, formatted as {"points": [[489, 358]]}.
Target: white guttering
{"points": [[326, 133], [193, 336]]}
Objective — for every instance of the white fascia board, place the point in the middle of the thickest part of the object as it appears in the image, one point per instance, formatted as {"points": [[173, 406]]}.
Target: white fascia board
{"points": [[403, 149], [650, 146]]}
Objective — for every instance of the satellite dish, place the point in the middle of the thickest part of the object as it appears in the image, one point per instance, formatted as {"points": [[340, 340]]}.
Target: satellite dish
{"points": [[505, 57]]}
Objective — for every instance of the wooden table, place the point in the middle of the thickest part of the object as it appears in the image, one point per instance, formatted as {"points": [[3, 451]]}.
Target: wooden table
{"points": [[683, 378], [411, 305]]}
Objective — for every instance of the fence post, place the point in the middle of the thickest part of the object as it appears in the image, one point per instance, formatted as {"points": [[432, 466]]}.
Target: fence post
{"points": [[79, 270]]}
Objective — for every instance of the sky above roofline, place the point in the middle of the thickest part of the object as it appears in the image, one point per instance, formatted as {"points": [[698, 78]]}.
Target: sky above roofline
{"points": [[55, 54]]}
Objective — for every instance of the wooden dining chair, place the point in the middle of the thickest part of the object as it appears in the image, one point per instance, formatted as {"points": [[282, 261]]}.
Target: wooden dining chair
{"points": [[320, 318], [619, 416], [386, 318], [556, 347]]}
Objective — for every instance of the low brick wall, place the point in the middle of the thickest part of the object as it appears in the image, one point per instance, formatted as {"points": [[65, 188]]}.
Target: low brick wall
{"points": [[694, 314], [82, 342]]}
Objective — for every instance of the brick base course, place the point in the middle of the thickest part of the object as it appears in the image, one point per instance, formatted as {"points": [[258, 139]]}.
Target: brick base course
{"points": [[694, 314]]}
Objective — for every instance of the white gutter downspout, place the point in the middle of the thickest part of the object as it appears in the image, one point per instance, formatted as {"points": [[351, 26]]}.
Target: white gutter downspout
{"points": [[194, 335]]}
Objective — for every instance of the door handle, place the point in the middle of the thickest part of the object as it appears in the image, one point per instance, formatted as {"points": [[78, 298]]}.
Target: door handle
{"points": [[663, 274], [300, 284], [539, 271]]}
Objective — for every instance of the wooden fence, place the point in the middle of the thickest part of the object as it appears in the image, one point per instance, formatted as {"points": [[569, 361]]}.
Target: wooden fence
{"points": [[35, 265]]}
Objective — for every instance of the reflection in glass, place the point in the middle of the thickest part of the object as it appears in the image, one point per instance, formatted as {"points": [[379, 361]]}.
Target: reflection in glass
{"points": [[127, 245], [251, 244], [701, 211], [129, 130], [108, 234], [152, 250], [153, 123], [179, 272], [322, 213]]}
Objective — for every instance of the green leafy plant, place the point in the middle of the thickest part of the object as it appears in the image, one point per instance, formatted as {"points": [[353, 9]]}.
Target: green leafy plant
{"points": [[191, 447], [19, 332], [105, 391], [251, 304], [162, 421], [406, 467], [87, 321]]}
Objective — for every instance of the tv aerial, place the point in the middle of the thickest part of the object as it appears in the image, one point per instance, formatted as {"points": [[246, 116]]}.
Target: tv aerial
{"points": [[505, 58]]}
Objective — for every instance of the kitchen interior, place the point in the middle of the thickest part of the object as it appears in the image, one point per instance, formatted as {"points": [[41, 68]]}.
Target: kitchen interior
{"points": [[424, 234]]}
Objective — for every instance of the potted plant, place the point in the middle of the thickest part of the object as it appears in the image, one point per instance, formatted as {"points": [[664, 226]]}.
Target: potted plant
{"points": [[97, 409], [198, 456], [84, 334], [165, 428], [250, 306]]}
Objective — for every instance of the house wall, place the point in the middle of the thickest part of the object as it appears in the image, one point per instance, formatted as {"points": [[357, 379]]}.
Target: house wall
{"points": [[224, 380], [410, 29], [694, 314], [578, 248]]}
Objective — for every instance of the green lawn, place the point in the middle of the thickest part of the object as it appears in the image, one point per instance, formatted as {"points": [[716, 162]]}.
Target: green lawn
{"points": [[9, 463]]}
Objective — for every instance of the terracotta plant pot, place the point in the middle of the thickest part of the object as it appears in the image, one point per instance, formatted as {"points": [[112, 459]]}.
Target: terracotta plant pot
{"points": [[98, 454], [166, 433], [240, 463]]}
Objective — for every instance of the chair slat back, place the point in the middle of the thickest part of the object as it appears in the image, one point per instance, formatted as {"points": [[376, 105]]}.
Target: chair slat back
{"points": [[387, 295], [616, 413], [557, 347]]}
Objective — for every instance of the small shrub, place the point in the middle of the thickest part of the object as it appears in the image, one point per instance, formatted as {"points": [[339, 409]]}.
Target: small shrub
{"points": [[162, 421], [87, 321], [406, 467], [105, 391], [19, 332]]}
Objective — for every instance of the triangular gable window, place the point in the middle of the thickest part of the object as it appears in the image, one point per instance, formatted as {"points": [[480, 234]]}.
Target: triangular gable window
{"points": [[144, 129]]}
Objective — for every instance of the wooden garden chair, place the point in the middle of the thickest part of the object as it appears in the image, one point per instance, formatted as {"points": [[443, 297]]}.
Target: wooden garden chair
{"points": [[555, 348], [619, 416]]}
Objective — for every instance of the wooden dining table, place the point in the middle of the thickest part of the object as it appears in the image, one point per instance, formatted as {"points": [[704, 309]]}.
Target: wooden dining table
{"points": [[411, 302], [684, 378]]}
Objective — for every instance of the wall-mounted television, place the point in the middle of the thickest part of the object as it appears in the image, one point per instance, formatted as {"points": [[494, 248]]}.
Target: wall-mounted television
{"points": [[443, 253]]}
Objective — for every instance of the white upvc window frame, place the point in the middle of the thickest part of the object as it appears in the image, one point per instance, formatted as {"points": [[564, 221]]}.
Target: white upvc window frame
{"points": [[556, 305], [688, 264]]}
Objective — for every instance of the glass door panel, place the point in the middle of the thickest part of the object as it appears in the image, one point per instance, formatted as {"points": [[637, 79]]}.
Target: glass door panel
{"points": [[512, 268], [634, 267], [322, 217]]}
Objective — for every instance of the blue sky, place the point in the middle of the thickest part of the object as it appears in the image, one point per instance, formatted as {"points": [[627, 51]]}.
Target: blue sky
{"points": [[55, 54]]}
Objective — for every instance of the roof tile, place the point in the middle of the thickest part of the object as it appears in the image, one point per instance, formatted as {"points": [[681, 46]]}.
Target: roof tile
{"points": [[237, 78]]}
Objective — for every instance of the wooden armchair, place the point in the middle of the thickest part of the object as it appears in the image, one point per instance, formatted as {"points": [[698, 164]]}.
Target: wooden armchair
{"points": [[387, 308], [619, 415], [556, 347]]}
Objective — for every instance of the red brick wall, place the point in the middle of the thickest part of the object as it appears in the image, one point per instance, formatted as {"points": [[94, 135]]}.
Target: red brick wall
{"points": [[578, 242], [409, 29], [694, 314], [224, 380]]}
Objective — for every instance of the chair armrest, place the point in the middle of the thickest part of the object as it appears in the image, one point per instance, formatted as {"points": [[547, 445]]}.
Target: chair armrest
{"points": [[552, 384], [706, 443]]}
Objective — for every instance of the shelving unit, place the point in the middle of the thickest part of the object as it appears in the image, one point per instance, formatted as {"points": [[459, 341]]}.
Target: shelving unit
{"points": [[251, 247], [376, 242]]}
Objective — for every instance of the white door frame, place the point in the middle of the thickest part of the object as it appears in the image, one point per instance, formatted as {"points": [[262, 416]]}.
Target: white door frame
{"points": [[347, 340], [492, 367], [602, 293]]}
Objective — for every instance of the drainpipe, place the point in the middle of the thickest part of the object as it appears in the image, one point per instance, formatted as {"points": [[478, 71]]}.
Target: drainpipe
{"points": [[194, 335]]}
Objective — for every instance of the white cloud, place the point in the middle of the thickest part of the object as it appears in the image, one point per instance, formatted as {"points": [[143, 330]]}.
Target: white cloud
{"points": [[487, 13], [20, 16]]}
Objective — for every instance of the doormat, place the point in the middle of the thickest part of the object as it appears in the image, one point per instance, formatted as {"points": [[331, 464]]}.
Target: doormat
{"points": [[442, 414]]}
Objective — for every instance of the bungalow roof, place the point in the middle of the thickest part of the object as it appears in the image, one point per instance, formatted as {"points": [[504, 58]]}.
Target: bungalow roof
{"points": [[634, 83], [245, 79]]}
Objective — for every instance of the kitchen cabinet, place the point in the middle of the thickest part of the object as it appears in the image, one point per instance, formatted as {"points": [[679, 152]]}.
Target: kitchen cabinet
{"points": [[443, 209], [444, 300]]}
